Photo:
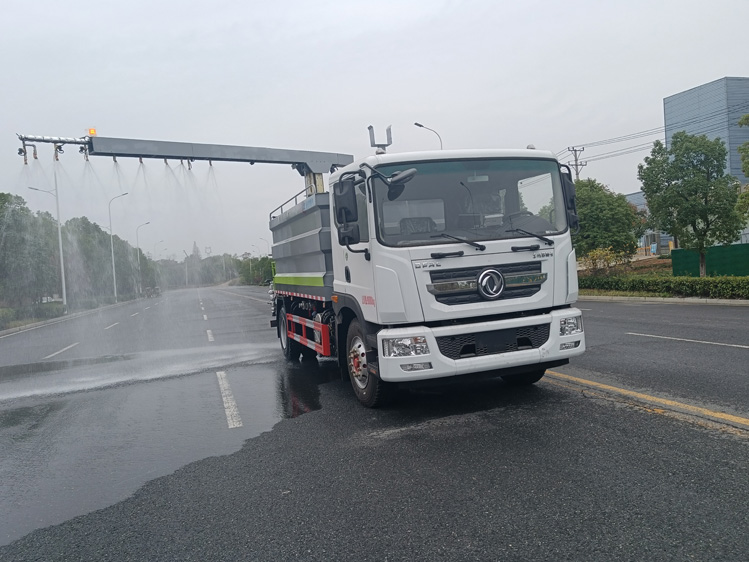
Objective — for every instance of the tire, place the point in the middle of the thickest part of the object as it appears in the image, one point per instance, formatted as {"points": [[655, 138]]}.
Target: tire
{"points": [[291, 349], [369, 389], [525, 379]]}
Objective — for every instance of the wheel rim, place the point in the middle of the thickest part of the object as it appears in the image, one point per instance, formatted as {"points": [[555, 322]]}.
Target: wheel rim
{"points": [[357, 363], [284, 332]]}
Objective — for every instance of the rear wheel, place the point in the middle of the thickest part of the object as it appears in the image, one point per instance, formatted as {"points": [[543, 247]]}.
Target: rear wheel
{"points": [[369, 389], [291, 349], [525, 379]]}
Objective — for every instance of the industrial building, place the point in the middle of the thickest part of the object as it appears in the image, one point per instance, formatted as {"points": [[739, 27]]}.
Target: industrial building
{"points": [[714, 110]]}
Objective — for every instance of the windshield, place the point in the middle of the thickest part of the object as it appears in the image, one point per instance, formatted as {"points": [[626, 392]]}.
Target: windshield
{"points": [[488, 199]]}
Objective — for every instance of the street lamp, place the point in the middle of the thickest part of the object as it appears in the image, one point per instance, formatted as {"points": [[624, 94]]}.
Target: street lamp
{"points": [[186, 256], [59, 242], [428, 129], [137, 243], [111, 242], [267, 244]]}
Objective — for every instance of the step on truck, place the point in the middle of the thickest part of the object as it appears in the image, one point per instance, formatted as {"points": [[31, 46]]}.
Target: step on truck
{"points": [[418, 266]]}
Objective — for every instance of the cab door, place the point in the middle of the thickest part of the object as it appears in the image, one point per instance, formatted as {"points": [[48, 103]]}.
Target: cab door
{"points": [[352, 265]]}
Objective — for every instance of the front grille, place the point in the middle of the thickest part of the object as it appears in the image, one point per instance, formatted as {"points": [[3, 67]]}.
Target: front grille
{"points": [[472, 272], [470, 296], [494, 342]]}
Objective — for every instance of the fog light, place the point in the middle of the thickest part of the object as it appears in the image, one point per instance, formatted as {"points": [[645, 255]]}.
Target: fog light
{"points": [[411, 367], [405, 347], [569, 345], [571, 325]]}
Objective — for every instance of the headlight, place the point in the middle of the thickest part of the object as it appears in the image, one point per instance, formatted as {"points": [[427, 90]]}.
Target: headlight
{"points": [[404, 347], [570, 326]]}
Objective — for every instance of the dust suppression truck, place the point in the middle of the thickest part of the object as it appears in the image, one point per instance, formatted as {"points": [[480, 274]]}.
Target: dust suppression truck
{"points": [[417, 266]]}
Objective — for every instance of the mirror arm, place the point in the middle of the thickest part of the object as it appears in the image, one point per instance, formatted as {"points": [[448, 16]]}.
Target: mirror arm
{"points": [[365, 251], [382, 176]]}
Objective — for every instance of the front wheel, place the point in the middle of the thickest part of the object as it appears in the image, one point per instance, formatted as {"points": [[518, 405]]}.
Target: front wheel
{"points": [[525, 379], [291, 349], [369, 389]]}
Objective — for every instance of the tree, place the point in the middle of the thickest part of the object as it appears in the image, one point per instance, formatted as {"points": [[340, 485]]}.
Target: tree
{"points": [[743, 204], [744, 148], [607, 220], [14, 263], [689, 194]]}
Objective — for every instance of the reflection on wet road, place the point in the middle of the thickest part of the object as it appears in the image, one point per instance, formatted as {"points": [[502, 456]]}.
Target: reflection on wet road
{"points": [[81, 433]]}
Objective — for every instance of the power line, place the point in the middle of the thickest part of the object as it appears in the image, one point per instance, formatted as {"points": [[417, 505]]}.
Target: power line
{"points": [[705, 129], [712, 127], [644, 146]]}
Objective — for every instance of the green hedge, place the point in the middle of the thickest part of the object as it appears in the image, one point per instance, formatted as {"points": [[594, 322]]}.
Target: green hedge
{"points": [[702, 287], [7, 315], [41, 311]]}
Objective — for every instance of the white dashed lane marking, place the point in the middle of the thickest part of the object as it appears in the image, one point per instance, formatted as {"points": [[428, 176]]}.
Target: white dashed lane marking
{"points": [[230, 405], [689, 341], [63, 349]]}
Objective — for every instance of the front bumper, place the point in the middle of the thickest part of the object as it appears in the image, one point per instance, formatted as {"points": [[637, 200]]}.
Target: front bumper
{"points": [[392, 369]]}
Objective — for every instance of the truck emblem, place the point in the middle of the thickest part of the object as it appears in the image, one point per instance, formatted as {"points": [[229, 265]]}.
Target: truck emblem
{"points": [[426, 264], [490, 284]]}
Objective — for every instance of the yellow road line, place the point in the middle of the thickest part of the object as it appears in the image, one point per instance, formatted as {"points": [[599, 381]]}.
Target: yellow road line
{"points": [[655, 400]]}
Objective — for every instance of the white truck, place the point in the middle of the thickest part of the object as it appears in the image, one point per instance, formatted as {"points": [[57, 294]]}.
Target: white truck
{"points": [[418, 266]]}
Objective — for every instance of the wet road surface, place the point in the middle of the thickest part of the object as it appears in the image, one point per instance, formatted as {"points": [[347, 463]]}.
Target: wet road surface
{"points": [[141, 432]]}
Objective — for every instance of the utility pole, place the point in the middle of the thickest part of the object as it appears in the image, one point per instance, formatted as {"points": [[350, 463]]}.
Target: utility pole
{"points": [[578, 165]]}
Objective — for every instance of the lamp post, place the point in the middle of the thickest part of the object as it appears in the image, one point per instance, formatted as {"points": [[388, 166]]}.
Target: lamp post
{"points": [[186, 256], [59, 242], [428, 129], [111, 243], [137, 244], [258, 262], [267, 244]]}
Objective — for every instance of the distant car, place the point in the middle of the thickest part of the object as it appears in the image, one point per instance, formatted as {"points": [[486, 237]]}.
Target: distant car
{"points": [[156, 292], [149, 292]]}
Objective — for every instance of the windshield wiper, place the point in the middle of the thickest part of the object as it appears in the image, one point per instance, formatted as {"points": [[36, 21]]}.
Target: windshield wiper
{"points": [[469, 242], [548, 241]]}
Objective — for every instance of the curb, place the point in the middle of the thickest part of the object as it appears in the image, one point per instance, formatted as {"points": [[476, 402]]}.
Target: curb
{"points": [[667, 300]]}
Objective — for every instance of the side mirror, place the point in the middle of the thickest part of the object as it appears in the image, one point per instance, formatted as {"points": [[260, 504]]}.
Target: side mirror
{"points": [[395, 190], [574, 222], [403, 177], [570, 202], [348, 234], [344, 198], [568, 186]]}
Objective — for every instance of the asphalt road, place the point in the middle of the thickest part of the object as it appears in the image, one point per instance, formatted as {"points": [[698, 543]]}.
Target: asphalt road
{"points": [[173, 430]]}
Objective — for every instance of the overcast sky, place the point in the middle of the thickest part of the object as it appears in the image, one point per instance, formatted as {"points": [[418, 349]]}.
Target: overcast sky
{"points": [[313, 75]]}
